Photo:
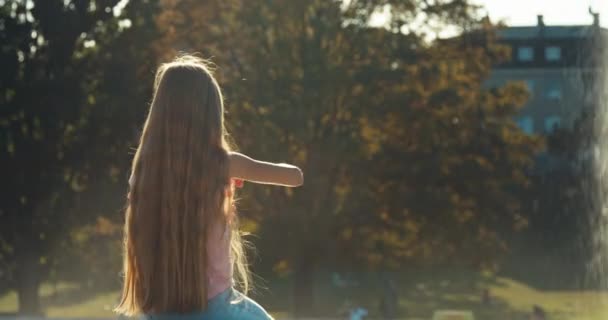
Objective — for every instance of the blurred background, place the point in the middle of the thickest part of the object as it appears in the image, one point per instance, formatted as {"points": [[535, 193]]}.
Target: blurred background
{"points": [[452, 150]]}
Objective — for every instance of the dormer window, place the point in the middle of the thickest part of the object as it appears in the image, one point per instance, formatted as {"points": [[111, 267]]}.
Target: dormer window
{"points": [[525, 54], [553, 53]]}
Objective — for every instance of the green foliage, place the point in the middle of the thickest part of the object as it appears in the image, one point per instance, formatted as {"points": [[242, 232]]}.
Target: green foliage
{"points": [[406, 156], [449, 169], [565, 202], [379, 120], [63, 138]]}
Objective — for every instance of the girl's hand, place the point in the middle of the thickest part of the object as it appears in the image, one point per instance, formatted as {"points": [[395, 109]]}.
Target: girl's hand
{"points": [[234, 183], [243, 167]]}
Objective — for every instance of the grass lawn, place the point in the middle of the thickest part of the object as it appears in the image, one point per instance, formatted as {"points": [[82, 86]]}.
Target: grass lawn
{"points": [[575, 305], [418, 298], [67, 300]]}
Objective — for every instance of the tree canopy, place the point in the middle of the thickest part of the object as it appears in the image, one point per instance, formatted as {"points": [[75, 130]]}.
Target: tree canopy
{"points": [[62, 134], [408, 158]]}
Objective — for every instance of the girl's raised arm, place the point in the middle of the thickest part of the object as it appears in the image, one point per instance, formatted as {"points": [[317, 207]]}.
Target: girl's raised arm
{"points": [[246, 168]]}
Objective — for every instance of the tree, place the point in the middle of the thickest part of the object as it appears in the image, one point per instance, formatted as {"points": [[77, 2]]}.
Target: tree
{"points": [[406, 155], [463, 163], [564, 204], [58, 135], [398, 140]]}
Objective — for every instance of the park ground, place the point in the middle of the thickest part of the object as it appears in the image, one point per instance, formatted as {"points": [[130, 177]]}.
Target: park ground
{"points": [[418, 297]]}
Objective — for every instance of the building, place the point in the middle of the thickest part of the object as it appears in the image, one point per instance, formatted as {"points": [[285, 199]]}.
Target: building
{"points": [[561, 67]]}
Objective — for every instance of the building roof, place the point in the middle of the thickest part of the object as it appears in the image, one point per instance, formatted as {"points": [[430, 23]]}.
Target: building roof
{"points": [[549, 32]]}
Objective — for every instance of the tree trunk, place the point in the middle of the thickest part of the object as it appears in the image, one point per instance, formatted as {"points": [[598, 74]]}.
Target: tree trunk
{"points": [[390, 299], [28, 283], [303, 289]]}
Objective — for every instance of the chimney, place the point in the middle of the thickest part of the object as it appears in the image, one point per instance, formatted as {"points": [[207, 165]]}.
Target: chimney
{"points": [[596, 19], [541, 20]]}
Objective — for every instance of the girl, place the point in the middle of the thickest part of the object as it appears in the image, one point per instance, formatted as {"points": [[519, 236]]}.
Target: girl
{"points": [[181, 240]]}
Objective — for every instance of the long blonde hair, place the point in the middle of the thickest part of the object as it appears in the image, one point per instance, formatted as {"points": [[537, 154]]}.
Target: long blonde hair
{"points": [[178, 192]]}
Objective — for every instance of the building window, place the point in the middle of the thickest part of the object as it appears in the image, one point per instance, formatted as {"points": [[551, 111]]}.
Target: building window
{"points": [[526, 124], [553, 53], [552, 123], [525, 54], [554, 91], [530, 85]]}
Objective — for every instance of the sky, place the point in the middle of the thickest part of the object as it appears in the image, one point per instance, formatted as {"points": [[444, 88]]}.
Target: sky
{"points": [[555, 12], [524, 12]]}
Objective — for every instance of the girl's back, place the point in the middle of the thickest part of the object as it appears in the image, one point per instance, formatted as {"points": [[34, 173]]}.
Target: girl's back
{"points": [[181, 235]]}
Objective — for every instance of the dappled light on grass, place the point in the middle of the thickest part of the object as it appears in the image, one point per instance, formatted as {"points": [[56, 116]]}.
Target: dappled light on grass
{"points": [[68, 300], [561, 304], [420, 294]]}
